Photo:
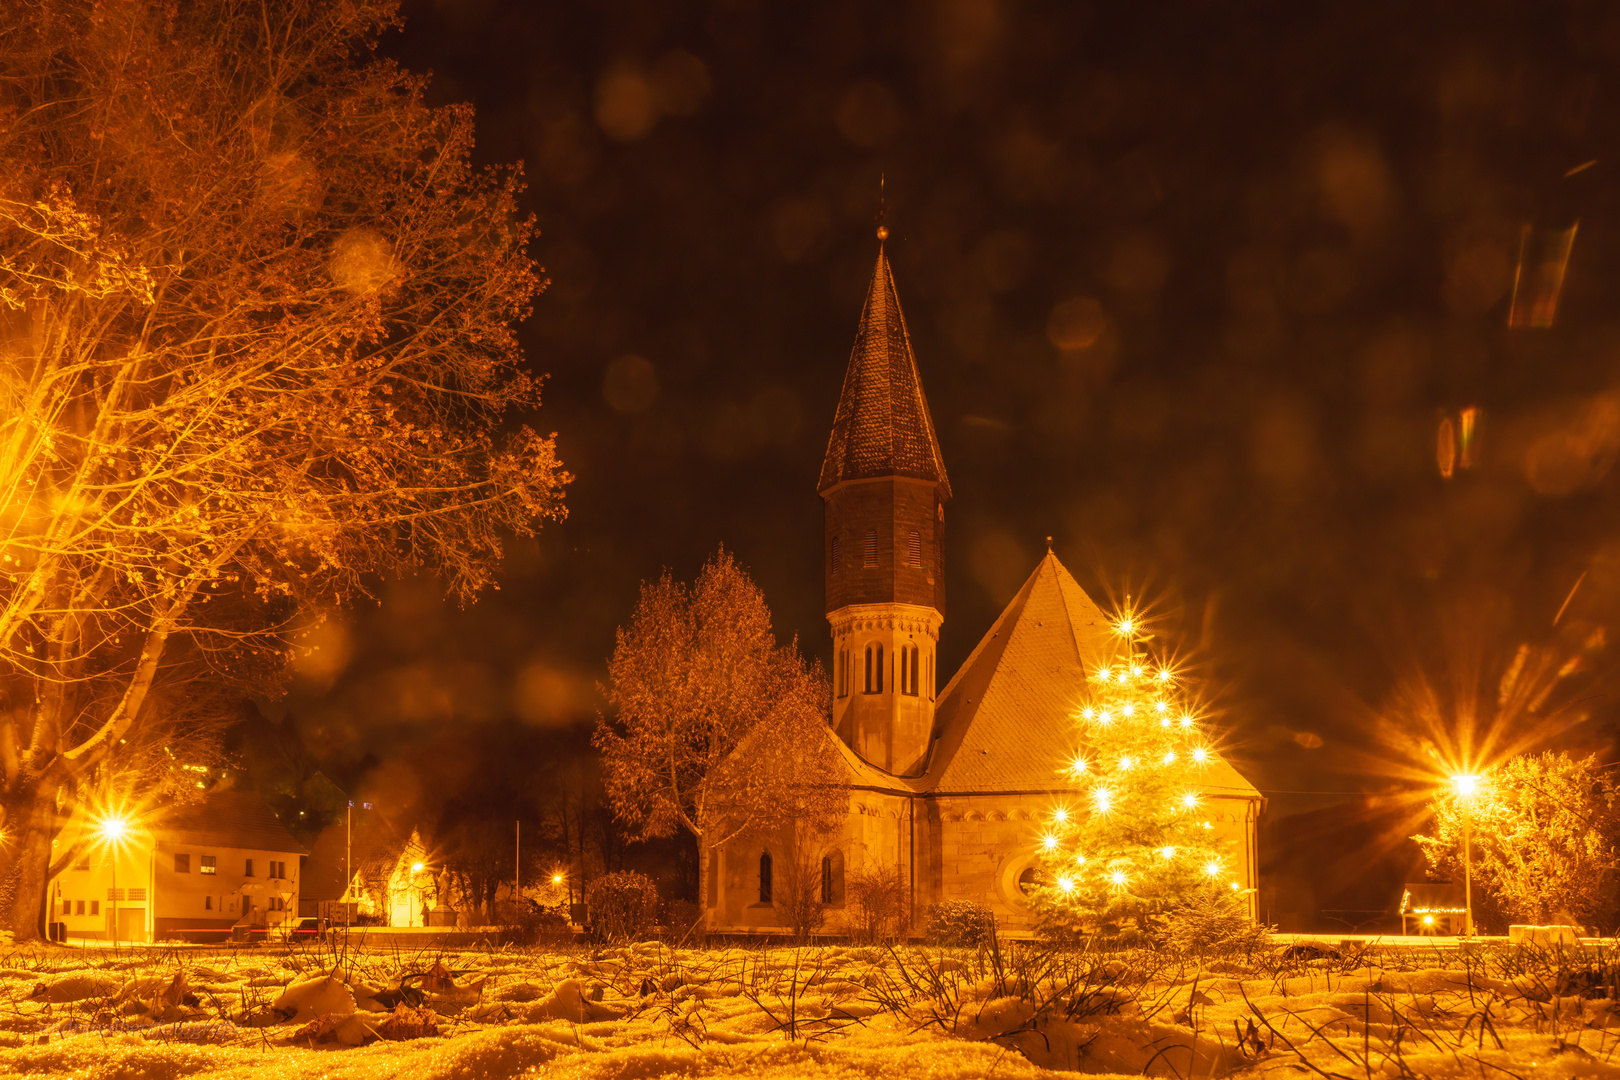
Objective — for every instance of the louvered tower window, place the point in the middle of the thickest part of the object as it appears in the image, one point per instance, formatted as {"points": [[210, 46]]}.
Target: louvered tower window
{"points": [[914, 550], [837, 555], [871, 547]]}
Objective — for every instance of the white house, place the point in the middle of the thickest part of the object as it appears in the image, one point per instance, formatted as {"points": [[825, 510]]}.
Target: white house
{"points": [[190, 872]]}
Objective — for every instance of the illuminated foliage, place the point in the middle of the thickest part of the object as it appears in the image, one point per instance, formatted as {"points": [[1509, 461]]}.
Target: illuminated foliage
{"points": [[1138, 838], [715, 728], [1545, 834], [256, 344]]}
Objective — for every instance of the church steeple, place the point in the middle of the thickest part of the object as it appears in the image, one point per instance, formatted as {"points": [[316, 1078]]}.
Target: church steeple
{"points": [[882, 426], [884, 491]]}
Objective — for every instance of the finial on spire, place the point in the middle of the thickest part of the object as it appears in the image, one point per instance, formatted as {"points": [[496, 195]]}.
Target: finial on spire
{"points": [[882, 214], [1049, 545]]}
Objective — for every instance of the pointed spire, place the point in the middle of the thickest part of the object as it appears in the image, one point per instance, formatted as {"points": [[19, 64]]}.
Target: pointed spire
{"points": [[882, 426]]}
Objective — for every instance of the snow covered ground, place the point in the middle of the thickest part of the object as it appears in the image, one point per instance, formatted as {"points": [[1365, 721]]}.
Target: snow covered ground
{"points": [[648, 1011]]}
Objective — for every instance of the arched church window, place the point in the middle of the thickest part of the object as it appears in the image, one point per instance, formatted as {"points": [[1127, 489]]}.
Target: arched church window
{"points": [[871, 547], [837, 555], [765, 878], [843, 672], [931, 682], [914, 549], [909, 670], [832, 877], [874, 668]]}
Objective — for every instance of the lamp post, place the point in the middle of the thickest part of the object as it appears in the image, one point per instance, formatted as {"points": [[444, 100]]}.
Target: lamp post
{"points": [[112, 833], [1465, 785]]}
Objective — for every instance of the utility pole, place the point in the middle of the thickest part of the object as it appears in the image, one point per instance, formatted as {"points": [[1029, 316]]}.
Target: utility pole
{"points": [[348, 856]]}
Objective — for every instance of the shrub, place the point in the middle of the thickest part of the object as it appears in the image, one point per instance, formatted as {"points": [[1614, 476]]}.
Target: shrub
{"points": [[878, 899], [622, 905], [679, 918], [963, 923], [1212, 921]]}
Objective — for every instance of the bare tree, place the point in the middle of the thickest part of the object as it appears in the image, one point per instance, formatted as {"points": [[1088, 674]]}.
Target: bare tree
{"points": [[256, 345], [715, 728]]}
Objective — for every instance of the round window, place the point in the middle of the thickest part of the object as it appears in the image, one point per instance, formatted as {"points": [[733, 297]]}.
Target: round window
{"points": [[1030, 880]]}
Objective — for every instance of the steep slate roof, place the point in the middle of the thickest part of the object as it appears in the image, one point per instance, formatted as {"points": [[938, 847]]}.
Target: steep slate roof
{"points": [[1004, 721], [882, 426], [375, 850], [236, 819]]}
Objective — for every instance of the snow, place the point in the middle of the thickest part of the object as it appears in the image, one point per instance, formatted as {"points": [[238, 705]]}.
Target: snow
{"points": [[649, 1011]]}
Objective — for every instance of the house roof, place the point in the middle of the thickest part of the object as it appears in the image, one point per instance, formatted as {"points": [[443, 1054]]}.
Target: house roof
{"points": [[237, 819], [1003, 723], [373, 852], [1429, 896], [882, 426]]}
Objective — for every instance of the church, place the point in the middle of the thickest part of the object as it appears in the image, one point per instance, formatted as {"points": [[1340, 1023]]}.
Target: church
{"points": [[948, 788]]}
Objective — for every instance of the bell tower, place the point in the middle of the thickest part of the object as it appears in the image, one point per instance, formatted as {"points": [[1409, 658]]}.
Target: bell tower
{"points": [[884, 490]]}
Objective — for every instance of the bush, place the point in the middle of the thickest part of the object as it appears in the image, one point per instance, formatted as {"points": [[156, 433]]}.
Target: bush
{"points": [[679, 918], [1212, 921], [622, 905], [878, 901], [961, 923]]}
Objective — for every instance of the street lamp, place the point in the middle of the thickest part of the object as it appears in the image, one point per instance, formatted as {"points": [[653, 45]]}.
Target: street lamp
{"points": [[1466, 785], [113, 831]]}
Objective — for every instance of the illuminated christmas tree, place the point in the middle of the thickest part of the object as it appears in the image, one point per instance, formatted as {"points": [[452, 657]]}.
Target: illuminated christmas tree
{"points": [[1136, 840]]}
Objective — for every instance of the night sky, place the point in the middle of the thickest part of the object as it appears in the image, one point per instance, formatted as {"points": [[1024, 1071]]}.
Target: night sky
{"points": [[1192, 287]]}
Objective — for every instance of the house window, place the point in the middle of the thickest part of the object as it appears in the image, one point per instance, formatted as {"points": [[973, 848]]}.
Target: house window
{"points": [[182, 864], [95, 907], [249, 871], [78, 907], [765, 878], [871, 547], [137, 894], [832, 878], [874, 669], [208, 903], [210, 865], [277, 903], [82, 863], [278, 869], [837, 555], [67, 907], [914, 550]]}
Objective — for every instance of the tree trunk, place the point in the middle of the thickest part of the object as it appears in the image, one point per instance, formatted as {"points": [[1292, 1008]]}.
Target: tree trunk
{"points": [[30, 817]]}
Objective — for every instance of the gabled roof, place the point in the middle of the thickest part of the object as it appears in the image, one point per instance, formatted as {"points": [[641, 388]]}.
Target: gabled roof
{"points": [[236, 819], [372, 853], [882, 426], [1004, 722]]}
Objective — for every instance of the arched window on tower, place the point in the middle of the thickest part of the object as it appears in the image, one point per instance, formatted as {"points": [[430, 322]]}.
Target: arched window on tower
{"points": [[837, 555], [914, 550], [874, 668], [765, 878], [832, 877], [871, 547], [909, 670]]}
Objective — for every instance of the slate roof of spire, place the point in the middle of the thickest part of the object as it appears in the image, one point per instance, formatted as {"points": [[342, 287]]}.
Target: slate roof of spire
{"points": [[1004, 720], [882, 426]]}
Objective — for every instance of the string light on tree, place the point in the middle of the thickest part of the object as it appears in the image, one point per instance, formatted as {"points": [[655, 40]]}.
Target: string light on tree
{"points": [[1138, 840]]}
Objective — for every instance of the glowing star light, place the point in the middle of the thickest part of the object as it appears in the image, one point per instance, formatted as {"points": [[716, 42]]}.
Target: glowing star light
{"points": [[1104, 799]]}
